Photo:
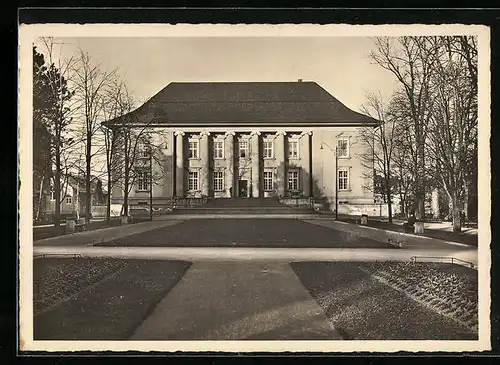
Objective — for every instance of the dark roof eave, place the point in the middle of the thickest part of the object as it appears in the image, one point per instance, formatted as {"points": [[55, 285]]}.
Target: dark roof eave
{"points": [[261, 123]]}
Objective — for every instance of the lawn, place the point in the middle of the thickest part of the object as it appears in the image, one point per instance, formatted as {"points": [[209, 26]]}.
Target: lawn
{"points": [[98, 299], [247, 233], [394, 301], [468, 239], [41, 233]]}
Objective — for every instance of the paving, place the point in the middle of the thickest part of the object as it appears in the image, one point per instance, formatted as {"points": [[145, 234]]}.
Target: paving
{"points": [[258, 254], [251, 301]]}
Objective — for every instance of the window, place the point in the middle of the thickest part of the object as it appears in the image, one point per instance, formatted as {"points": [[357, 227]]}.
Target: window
{"points": [[193, 148], [193, 181], [52, 195], [143, 151], [343, 180], [293, 148], [243, 148], [68, 200], [268, 180], [218, 149], [343, 147], [218, 180], [142, 180], [268, 149], [293, 180]]}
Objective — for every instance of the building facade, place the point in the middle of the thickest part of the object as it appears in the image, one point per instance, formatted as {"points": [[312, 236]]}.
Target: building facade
{"points": [[250, 140]]}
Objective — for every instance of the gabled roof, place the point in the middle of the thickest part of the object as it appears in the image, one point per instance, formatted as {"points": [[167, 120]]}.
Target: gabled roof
{"points": [[243, 104]]}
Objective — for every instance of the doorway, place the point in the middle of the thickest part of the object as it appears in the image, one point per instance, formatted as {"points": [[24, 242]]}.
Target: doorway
{"points": [[243, 188]]}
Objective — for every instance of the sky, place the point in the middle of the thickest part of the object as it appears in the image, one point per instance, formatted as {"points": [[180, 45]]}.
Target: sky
{"points": [[339, 64]]}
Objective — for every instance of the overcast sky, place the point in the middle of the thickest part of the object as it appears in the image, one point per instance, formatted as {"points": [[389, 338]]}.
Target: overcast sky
{"points": [[339, 64]]}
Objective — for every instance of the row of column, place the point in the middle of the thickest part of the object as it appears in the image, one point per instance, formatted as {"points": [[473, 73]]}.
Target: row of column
{"points": [[204, 152]]}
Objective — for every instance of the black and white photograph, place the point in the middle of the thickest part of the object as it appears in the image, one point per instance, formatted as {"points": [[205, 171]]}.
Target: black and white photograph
{"points": [[254, 188]]}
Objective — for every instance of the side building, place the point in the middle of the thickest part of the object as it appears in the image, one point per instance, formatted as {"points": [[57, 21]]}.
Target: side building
{"points": [[249, 140]]}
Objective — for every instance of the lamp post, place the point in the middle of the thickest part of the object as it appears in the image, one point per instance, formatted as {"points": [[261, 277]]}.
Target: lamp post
{"points": [[150, 184], [336, 154]]}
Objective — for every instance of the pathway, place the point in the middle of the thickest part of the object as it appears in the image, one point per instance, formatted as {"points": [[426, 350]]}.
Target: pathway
{"points": [[252, 301]]}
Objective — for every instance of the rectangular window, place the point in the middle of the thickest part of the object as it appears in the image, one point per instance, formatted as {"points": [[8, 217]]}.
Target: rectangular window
{"points": [[193, 181], [68, 200], [193, 148], [293, 180], [293, 148], [218, 180], [268, 180], [343, 180], [243, 148], [343, 147], [268, 149], [218, 149], [143, 151], [142, 180]]}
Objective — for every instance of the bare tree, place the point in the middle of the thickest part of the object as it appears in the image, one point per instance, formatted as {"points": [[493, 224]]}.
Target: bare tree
{"points": [[90, 83], [116, 103], [453, 125], [407, 58], [57, 121], [380, 142]]}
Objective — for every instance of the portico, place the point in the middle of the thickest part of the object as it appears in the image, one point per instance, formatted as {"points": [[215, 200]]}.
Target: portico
{"points": [[243, 163]]}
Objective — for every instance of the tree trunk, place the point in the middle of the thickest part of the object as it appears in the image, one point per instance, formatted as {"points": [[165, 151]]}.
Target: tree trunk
{"points": [[57, 188], [88, 177], [126, 177], [108, 200], [39, 202], [457, 224]]}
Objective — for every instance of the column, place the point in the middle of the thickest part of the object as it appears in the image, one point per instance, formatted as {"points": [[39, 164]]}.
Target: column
{"points": [[305, 157], [255, 163], [205, 166], [179, 164], [229, 155], [279, 153]]}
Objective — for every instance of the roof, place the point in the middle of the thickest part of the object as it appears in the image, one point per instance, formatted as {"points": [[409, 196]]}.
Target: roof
{"points": [[243, 104]]}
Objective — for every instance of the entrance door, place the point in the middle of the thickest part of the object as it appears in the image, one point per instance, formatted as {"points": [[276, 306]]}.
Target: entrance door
{"points": [[243, 188]]}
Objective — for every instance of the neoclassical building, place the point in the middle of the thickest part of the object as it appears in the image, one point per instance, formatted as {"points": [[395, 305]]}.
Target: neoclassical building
{"points": [[249, 140]]}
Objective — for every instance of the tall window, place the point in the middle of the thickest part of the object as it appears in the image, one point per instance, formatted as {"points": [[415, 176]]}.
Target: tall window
{"points": [[343, 179], [243, 147], [193, 148], [218, 180], [142, 180], [293, 180], [268, 180], [193, 181], [268, 149], [293, 148], [218, 149], [143, 151], [68, 200], [343, 147]]}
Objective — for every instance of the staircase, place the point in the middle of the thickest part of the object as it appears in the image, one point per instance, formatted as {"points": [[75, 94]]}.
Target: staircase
{"points": [[244, 206]]}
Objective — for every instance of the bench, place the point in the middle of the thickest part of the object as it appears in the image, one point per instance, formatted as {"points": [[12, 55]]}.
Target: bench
{"points": [[409, 225], [80, 225]]}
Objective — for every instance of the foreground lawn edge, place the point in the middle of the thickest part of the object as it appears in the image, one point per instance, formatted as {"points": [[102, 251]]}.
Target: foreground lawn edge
{"points": [[112, 308]]}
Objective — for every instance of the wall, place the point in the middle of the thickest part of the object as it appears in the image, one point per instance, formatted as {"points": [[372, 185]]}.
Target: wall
{"points": [[323, 169]]}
